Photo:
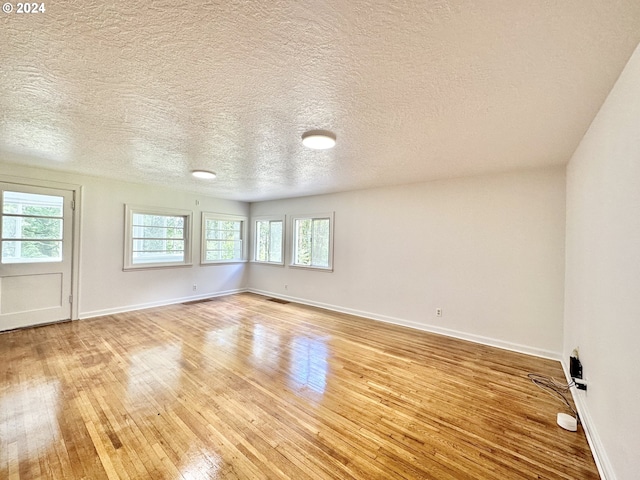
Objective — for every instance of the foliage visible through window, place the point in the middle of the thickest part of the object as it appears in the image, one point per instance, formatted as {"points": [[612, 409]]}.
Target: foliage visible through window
{"points": [[32, 226], [269, 241], [223, 238], [312, 242], [158, 238]]}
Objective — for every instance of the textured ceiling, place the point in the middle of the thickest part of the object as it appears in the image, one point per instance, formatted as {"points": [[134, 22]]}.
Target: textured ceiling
{"points": [[414, 90]]}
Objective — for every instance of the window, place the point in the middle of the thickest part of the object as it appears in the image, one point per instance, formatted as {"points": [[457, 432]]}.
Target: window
{"points": [[313, 241], [223, 238], [269, 236], [32, 226], [157, 237]]}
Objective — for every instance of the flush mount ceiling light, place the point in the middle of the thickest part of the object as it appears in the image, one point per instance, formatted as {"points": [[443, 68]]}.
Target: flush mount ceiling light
{"points": [[204, 174], [319, 139]]}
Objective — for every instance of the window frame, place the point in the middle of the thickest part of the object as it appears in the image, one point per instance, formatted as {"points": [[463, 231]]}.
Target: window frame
{"points": [[23, 218], [131, 210], [293, 240], [269, 218], [244, 248]]}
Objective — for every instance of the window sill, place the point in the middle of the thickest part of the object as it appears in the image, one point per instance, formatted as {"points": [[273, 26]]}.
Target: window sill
{"points": [[222, 262], [309, 267], [155, 266]]}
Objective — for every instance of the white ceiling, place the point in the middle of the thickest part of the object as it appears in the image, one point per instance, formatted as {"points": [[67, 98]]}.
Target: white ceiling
{"points": [[414, 90]]}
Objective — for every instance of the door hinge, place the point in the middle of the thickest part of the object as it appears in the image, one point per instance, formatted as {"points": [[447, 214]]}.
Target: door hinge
{"points": [[70, 298], [73, 204]]}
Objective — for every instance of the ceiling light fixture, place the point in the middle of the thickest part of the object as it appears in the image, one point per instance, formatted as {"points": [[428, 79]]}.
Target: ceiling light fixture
{"points": [[319, 139], [204, 174]]}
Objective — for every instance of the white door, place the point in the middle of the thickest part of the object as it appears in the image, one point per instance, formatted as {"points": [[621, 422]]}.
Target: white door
{"points": [[36, 234]]}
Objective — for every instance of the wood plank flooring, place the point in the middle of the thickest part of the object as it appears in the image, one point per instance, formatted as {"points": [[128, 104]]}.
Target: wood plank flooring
{"points": [[244, 388]]}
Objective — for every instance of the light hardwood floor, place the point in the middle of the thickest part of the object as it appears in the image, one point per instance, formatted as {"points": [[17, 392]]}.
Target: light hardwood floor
{"points": [[244, 388]]}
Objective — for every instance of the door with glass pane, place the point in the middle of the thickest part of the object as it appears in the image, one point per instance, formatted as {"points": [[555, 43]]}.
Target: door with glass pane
{"points": [[35, 264]]}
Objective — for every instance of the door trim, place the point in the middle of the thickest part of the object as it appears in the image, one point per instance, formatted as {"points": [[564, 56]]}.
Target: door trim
{"points": [[75, 236]]}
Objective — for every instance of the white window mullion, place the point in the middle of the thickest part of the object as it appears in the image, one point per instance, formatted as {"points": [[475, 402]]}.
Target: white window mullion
{"points": [[160, 248], [264, 229], [219, 231], [312, 241]]}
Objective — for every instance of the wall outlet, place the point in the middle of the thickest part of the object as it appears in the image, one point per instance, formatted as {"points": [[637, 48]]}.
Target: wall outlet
{"points": [[575, 367], [438, 312], [286, 287], [195, 287], [580, 384]]}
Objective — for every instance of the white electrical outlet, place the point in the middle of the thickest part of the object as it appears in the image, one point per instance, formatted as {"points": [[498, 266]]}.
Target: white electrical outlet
{"points": [[286, 287], [195, 287], [438, 312]]}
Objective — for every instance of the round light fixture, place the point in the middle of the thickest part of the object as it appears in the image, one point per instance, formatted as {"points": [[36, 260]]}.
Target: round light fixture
{"points": [[204, 174], [319, 139]]}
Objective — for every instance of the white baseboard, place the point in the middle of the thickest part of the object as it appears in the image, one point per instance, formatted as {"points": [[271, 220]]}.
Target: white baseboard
{"points": [[514, 347], [597, 449], [142, 306]]}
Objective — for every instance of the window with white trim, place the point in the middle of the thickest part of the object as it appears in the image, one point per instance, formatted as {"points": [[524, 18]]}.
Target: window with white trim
{"points": [[269, 240], [312, 241], [32, 227], [156, 237], [223, 238]]}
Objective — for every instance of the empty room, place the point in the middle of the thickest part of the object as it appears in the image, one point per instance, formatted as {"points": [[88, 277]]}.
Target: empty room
{"points": [[320, 240]]}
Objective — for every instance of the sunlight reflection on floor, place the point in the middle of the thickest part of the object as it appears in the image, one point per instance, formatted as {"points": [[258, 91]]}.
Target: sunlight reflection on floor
{"points": [[28, 416]]}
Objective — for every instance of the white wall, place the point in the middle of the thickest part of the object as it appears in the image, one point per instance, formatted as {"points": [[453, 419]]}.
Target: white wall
{"points": [[488, 250], [602, 310], [104, 286]]}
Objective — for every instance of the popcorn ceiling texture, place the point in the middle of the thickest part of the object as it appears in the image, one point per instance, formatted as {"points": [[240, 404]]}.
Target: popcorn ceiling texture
{"points": [[147, 91]]}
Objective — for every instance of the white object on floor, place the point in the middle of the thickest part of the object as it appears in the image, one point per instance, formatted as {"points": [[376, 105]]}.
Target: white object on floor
{"points": [[567, 422]]}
